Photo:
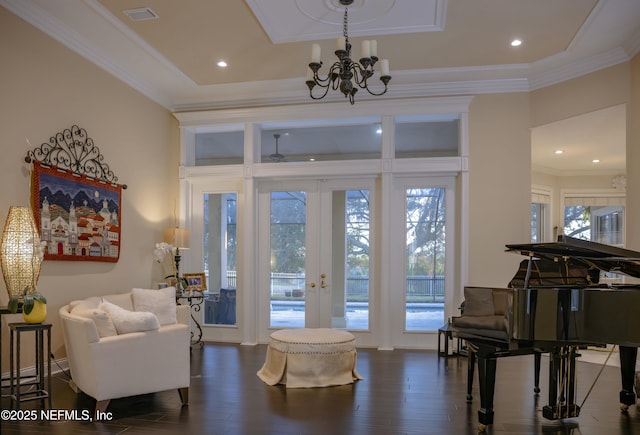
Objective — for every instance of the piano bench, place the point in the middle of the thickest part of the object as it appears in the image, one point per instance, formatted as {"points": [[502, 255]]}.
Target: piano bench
{"points": [[446, 332], [494, 327]]}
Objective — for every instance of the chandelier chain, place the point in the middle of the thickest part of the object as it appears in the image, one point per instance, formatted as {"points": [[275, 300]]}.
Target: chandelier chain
{"points": [[345, 24]]}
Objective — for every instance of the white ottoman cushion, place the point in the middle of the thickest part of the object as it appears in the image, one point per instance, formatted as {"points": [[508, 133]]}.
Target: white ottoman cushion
{"points": [[310, 358]]}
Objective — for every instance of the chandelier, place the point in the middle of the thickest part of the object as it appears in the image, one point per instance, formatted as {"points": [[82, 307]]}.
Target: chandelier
{"points": [[345, 74]]}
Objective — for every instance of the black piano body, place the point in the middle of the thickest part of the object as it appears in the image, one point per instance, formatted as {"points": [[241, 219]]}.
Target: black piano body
{"points": [[556, 305]]}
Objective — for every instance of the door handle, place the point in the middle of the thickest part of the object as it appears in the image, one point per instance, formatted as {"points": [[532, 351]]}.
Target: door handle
{"points": [[312, 285], [322, 283]]}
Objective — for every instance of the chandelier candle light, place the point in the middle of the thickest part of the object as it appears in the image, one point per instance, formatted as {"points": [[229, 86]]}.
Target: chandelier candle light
{"points": [[345, 74]]}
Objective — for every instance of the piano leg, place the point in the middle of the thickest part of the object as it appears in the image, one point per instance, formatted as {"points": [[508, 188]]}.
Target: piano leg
{"points": [[571, 377], [487, 381], [470, 369], [537, 356], [562, 366], [628, 356], [486, 354]]}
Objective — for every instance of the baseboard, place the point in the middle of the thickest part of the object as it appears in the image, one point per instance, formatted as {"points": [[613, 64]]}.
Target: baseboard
{"points": [[57, 366]]}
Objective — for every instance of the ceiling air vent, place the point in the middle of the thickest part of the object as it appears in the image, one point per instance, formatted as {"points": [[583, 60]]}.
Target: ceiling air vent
{"points": [[141, 14]]}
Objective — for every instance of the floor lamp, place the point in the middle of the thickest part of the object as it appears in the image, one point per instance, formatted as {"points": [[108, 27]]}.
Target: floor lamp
{"points": [[21, 258]]}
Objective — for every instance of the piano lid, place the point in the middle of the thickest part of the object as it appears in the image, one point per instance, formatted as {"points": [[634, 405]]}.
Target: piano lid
{"points": [[605, 257]]}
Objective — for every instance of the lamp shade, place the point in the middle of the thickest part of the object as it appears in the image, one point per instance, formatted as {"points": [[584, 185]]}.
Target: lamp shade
{"points": [[20, 247], [178, 237]]}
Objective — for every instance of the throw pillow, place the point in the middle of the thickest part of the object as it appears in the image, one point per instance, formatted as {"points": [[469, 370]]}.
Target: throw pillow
{"points": [[127, 321], [161, 302], [102, 320], [478, 301], [123, 300], [84, 304]]}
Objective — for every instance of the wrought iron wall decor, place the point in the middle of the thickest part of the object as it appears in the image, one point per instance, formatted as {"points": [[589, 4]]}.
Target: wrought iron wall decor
{"points": [[72, 149], [76, 199]]}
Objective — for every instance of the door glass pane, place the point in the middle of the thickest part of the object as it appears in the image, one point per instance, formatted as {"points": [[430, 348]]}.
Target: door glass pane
{"points": [[425, 258], [350, 257], [288, 256], [220, 258]]}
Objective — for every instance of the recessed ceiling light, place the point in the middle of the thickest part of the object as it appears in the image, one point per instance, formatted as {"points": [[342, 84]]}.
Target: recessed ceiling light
{"points": [[595, 161], [222, 64], [379, 131], [516, 43], [558, 151]]}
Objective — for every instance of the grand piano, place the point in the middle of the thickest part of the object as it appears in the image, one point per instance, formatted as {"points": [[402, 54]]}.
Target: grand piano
{"points": [[556, 304]]}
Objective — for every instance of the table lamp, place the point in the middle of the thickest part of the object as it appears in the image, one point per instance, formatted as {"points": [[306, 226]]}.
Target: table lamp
{"points": [[179, 238]]}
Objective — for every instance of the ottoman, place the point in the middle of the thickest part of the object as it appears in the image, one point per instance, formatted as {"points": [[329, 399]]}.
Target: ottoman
{"points": [[310, 357]]}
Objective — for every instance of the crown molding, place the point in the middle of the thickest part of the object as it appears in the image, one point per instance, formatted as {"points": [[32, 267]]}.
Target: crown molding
{"points": [[312, 111], [575, 173], [632, 46], [553, 70]]}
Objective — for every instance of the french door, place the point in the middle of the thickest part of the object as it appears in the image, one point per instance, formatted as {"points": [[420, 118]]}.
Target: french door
{"points": [[315, 249]]}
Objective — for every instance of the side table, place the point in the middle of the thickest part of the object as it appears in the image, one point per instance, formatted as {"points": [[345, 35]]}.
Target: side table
{"points": [[16, 384], [195, 300], [3, 310]]}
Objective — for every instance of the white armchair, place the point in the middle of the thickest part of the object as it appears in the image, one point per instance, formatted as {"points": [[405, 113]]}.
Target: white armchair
{"points": [[108, 365]]}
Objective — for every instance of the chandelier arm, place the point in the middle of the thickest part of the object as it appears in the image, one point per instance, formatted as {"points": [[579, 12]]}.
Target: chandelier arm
{"points": [[320, 97], [336, 74], [356, 72], [362, 76], [377, 94], [323, 82], [330, 78]]}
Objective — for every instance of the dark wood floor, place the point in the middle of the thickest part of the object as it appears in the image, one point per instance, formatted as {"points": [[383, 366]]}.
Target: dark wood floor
{"points": [[403, 392]]}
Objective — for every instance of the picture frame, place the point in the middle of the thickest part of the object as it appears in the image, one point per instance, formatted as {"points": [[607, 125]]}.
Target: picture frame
{"points": [[195, 281]]}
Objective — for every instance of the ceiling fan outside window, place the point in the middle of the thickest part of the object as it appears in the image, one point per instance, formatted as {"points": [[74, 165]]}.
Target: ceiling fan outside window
{"points": [[277, 157]]}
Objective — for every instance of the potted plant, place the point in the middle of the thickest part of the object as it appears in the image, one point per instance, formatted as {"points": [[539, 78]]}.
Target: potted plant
{"points": [[34, 305]]}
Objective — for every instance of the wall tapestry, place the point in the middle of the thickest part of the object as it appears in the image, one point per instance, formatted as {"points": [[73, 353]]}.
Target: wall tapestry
{"points": [[78, 215]]}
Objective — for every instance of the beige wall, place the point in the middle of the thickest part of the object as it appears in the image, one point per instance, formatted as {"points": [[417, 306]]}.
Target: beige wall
{"points": [[47, 88], [500, 185], [633, 157], [604, 88]]}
